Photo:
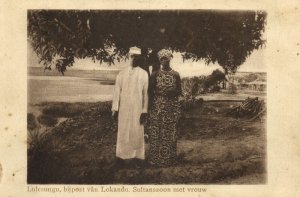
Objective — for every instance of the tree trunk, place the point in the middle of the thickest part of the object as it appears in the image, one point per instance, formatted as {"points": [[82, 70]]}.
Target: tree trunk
{"points": [[232, 85], [151, 60], [224, 84]]}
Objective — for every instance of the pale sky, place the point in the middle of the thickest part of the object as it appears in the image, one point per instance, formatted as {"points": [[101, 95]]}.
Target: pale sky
{"points": [[254, 63]]}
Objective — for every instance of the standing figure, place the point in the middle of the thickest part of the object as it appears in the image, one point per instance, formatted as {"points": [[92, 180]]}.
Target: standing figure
{"points": [[164, 90], [130, 106]]}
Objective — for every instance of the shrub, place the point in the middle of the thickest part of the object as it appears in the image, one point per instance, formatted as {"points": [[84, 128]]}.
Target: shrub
{"points": [[194, 86], [232, 88], [34, 139], [216, 88], [35, 136], [191, 87], [31, 122], [47, 120], [64, 109]]}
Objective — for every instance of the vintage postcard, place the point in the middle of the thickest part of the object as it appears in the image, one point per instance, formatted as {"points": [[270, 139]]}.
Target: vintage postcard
{"points": [[116, 98]]}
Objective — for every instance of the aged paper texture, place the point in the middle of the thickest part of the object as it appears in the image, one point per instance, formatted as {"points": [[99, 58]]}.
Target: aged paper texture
{"points": [[282, 138]]}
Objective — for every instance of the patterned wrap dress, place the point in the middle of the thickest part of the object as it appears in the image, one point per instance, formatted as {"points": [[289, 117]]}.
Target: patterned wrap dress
{"points": [[163, 117]]}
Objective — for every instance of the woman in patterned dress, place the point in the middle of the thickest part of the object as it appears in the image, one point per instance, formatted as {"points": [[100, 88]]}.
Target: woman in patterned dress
{"points": [[164, 90]]}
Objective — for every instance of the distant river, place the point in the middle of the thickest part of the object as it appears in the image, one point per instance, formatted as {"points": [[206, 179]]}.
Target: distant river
{"points": [[93, 86], [68, 89]]}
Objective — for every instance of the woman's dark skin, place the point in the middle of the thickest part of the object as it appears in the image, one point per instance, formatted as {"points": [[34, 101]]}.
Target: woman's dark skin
{"points": [[165, 63]]}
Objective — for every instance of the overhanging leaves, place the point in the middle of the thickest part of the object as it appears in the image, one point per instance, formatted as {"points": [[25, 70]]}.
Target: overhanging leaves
{"points": [[223, 37]]}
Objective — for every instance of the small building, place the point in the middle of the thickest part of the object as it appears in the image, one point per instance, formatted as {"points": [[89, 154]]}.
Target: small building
{"points": [[257, 85]]}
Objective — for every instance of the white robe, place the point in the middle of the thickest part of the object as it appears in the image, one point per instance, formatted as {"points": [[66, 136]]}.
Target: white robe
{"points": [[130, 99]]}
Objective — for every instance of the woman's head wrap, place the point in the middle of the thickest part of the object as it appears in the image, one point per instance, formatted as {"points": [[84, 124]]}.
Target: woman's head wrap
{"points": [[165, 53]]}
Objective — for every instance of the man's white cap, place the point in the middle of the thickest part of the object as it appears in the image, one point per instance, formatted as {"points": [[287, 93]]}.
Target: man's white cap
{"points": [[134, 51]]}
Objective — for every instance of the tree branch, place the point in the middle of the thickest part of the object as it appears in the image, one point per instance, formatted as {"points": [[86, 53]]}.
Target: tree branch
{"points": [[64, 26]]}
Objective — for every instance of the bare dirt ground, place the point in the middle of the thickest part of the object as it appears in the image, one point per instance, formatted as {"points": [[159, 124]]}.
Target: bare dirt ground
{"points": [[213, 148]]}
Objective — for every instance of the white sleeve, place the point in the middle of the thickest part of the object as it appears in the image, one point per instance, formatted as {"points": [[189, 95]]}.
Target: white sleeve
{"points": [[145, 94], [116, 95]]}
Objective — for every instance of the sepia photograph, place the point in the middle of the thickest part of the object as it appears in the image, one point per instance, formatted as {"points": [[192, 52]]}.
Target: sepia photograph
{"points": [[146, 97]]}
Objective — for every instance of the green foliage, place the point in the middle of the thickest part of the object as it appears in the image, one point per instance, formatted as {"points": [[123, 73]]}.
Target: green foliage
{"points": [[222, 37]]}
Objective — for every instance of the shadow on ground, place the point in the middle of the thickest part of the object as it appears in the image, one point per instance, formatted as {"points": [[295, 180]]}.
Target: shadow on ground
{"points": [[213, 148]]}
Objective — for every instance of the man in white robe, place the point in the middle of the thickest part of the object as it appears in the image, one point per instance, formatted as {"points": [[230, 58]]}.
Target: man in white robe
{"points": [[130, 104]]}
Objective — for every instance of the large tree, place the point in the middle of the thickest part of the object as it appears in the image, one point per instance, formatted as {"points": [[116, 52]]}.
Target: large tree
{"points": [[223, 37]]}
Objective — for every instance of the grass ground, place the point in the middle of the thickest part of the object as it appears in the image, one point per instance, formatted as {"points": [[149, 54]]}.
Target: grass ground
{"points": [[213, 148]]}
